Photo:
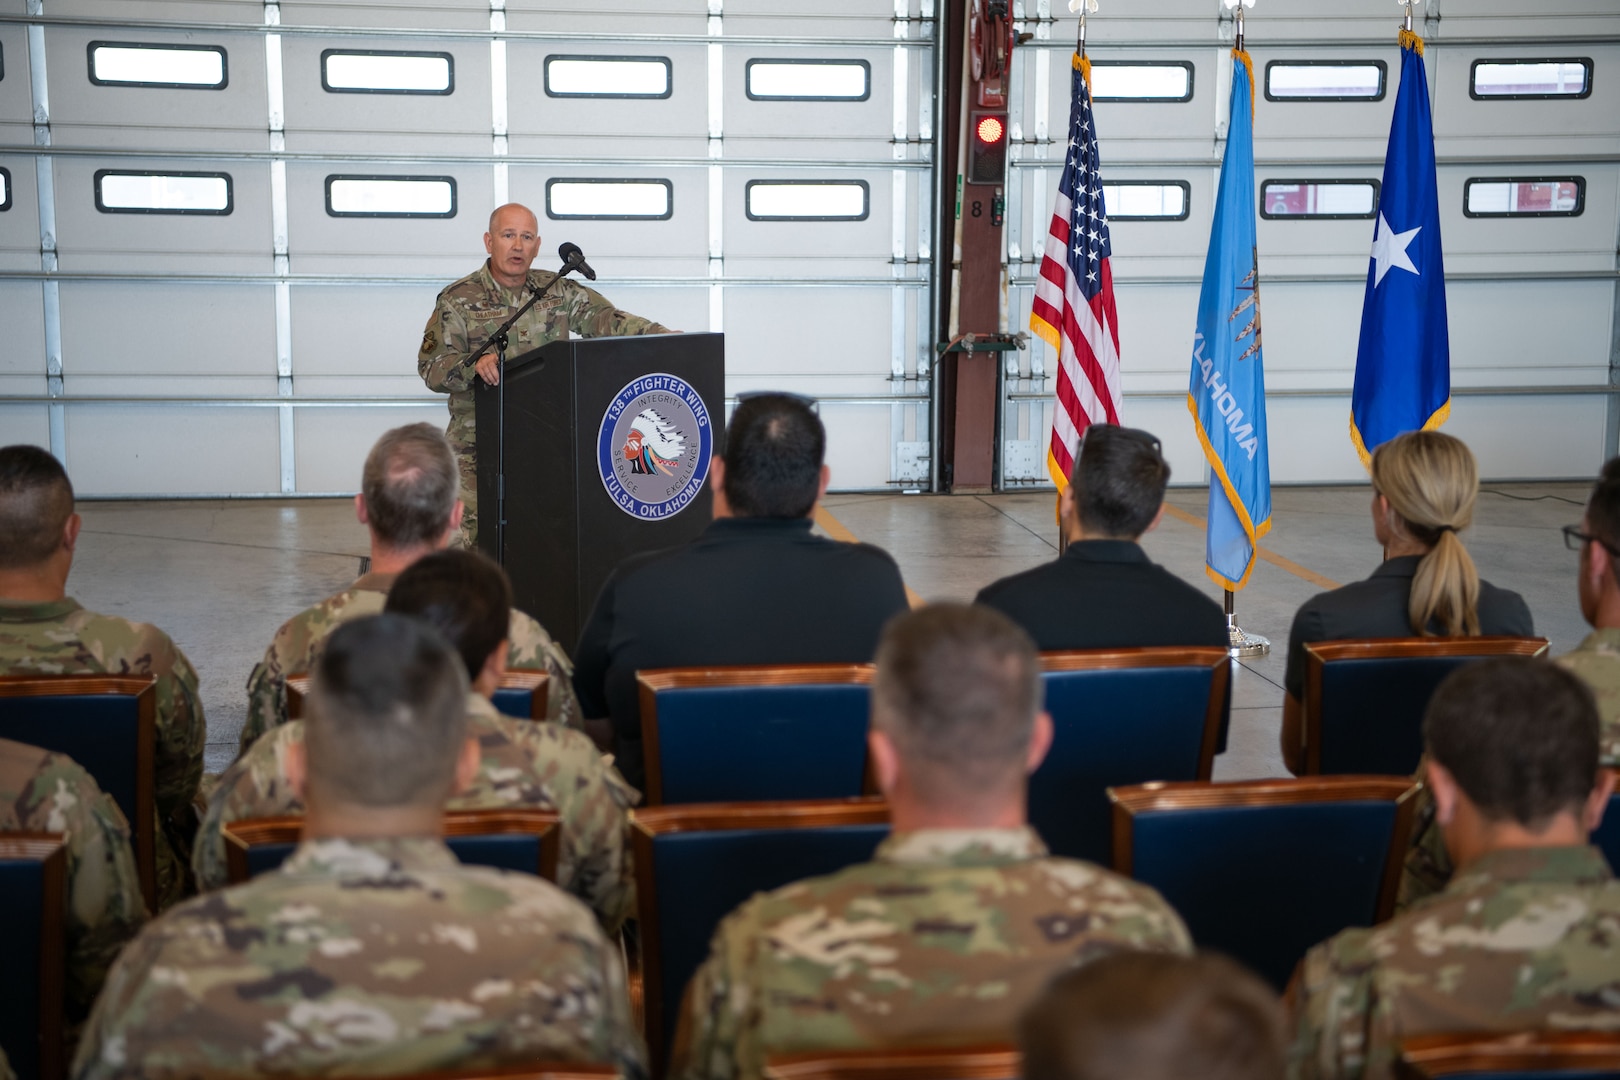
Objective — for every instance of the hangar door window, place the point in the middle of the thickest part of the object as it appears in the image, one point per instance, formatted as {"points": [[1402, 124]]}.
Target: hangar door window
{"points": [[1524, 196], [1318, 198], [119, 192], [1154, 80], [5, 190], [1325, 80], [134, 63], [610, 200], [809, 80], [351, 71], [1147, 200], [391, 196], [608, 76], [808, 200], [1512, 79]]}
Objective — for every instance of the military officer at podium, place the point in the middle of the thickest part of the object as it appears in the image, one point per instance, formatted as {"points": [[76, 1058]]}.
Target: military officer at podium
{"points": [[472, 309]]}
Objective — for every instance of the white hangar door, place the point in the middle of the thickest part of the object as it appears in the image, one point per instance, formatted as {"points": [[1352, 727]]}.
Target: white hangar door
{"points": [[223, 225], [1528, 147]]}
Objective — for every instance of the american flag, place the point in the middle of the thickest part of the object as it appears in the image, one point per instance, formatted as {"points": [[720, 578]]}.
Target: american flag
{"points": [[1074, 298]]}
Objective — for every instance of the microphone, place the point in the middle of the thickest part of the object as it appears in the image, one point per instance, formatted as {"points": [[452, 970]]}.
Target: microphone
{"points": [[574, 259]]}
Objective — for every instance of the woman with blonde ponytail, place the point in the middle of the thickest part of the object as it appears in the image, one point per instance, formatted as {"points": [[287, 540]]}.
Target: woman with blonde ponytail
{"points": [[1424, 486]]}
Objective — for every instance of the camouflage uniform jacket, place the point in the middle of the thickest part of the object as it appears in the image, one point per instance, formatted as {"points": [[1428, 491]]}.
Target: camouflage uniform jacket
{"points": [[366, 958], [1520, 939], [296, 645], [62, 638], [45, 792], [943, 938], [1596, 662], [540, 766]]}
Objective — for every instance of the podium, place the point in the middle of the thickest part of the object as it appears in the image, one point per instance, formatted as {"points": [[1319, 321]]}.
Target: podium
{"points": [[607, 455]]}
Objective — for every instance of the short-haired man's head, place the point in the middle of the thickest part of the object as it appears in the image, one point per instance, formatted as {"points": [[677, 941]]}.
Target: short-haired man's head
{"points": [[464, 595], [36, 500], [410, 485], [1520, 737], [1603, 508], [1119, 479], [774, 448], [957, 691], [1153, 1016], [386, 714]]}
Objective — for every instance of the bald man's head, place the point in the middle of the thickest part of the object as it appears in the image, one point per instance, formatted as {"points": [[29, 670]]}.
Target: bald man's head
{"points": [[513, 241]]}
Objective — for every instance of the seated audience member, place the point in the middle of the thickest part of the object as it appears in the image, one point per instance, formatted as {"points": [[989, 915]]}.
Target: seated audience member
{"points": [[1103, 591], [755, 588], [1523, 937], [408, 503], [371, 951], [544, 766], [1424, 486], [1596, 661], [962, 916], [1149, 1016], [42, 792], [43, 631]]}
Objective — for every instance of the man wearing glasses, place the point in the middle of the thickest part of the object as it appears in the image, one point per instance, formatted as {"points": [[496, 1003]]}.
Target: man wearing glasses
{"points": [[1103, 592], [1596, 660]]}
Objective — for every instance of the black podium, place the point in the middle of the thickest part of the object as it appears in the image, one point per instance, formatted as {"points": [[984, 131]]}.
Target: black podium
{"points": [[607, 454]]}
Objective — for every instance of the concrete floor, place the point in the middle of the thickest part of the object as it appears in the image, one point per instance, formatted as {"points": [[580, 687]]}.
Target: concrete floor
{"points": [[221, 575]]}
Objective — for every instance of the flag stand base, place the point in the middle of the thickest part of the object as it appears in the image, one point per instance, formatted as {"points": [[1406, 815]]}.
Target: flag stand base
{"points": [[1239, 642]]}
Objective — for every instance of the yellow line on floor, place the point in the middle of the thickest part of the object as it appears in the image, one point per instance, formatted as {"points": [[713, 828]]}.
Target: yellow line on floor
{"points": [[835, 529], [1265, 553]]}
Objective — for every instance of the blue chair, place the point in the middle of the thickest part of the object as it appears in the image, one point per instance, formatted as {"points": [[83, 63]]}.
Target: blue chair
{"points": [[1122, 716], [1365, 697], [33, 872], [1607, 835], [106, 723], [520, 840], [694, 864], [1524, 1055], [522, 694], [1264, 869], [755, 733]]}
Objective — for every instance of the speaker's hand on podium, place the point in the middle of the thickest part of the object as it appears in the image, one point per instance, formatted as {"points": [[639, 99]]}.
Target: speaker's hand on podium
{"points": [[489, 368]]}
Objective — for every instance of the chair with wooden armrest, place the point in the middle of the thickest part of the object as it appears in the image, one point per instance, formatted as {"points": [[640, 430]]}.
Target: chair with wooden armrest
{"points": [[525, 841], [108, 725], [1264, 869], [697, 862], [1121, 716], [1525, 1055], [33, 899], [755, 732], [1365, 697], [522, 694], [921, 1063]]}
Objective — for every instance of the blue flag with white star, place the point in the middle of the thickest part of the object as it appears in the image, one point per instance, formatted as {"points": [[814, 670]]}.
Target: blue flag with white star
{"points": [[1227, 391], [1403, 363]]}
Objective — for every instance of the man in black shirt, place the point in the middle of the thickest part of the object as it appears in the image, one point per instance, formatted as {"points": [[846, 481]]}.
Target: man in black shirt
{"points": [[1103, 592], [755, 588]]}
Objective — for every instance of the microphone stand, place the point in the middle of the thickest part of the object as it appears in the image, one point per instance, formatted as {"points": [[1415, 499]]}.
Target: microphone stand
{"points": [[499, 340]]}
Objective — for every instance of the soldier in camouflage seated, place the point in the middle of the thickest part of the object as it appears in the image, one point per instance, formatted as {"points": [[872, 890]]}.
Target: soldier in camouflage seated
{"points": [[371, 951], [1523, 937], [541, 766], [42, 792], [408, 503], [962, 916], [43, 631]]}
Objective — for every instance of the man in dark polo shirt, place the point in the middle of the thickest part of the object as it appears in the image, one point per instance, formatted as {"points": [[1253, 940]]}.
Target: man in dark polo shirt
{"points": [[1103, 592], [755, 588]]}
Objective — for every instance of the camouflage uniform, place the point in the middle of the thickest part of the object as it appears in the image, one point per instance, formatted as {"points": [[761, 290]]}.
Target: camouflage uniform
{"points": [[473, 308], [943, 938], [61, 638], [1521, 939], [539, 766], [1596, 662], [366, 958], [298, 643], [45, 792]]}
